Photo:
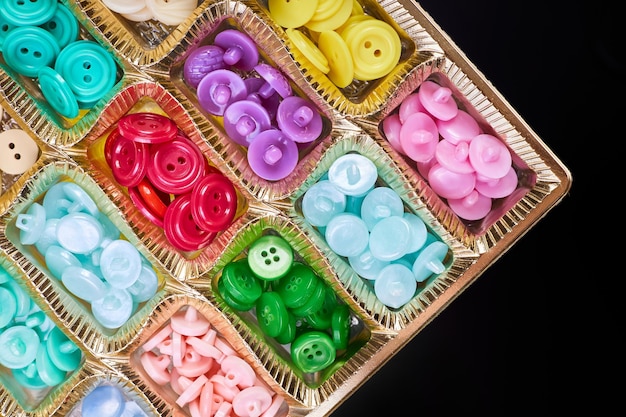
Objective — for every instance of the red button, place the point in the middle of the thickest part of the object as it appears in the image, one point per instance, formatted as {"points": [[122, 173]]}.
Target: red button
{"points": [[150, 201], [147, 127], [214, 202], [180, 228], [176, 166], [129, 160]]}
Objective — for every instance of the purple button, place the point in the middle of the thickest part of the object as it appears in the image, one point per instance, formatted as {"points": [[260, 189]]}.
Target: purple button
{"points": [[272, 155], [200, 62], [275, 81], [220, 88], [240, 51], [244, 120], [299, 119]]}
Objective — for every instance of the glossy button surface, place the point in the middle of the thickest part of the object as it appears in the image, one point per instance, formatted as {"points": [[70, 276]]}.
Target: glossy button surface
{"points": [[18, 151], [148, 128], [180, 228], [214, 202], [271, 313], [27, 49], [32, 12], [270, 257], [57, 92], [176, 166], [129, 159], [313, 351], [240, 282], [297, 286]]}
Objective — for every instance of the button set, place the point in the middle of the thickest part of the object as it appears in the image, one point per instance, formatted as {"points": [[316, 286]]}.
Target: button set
{"points": [[85, 251], [40, 39], [259, 112], [36, 353], [462, 164], [291, 303], [207, 375], [171, 13], [368, 225], [339, 39], [169, 180]]}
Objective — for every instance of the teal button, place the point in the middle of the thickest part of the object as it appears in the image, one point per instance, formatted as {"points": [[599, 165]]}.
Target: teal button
{"points": [[47, 370], [57, 93], [18, 346], [31, 12], [63, 26], [8, 307], [27, 49], [28, 377], [63, 353]]}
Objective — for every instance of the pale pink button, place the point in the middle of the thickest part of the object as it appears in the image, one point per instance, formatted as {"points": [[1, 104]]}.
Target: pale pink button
{"points": [[461, 127], [192, 391], [274, 408], [156, 367], [238, 372], [410, 105], [419, 137], [438, 100], [474, 206], [158, 338], [449, 184], [391, 129], [221, 388], [499, 187], [252, 402], [206, 348], [454, 157], [190, 322], [194, 364], [489, 156]]}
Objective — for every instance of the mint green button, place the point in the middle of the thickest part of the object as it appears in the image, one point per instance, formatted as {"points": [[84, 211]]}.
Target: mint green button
{"points": [[28, 377], [8, 307], [18, 346], [63, 353], [270, 257]]}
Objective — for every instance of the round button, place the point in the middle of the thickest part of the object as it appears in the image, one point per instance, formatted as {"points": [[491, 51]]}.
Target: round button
{"points": [[271, 313], [322, 202], [63, 26], [27, 49], [240, 282], [297, 286], [438, 100], [329, 18], [89, 70], [31, 224], [321, 319], [340, 326], [395, 285], [240, 51], [244, 120], [270, 257], [79, 232], [219, 89], [201, 61], [292, 13], [299, 119], [18, 151], [171, 13], [176, 166], [129, 159], [308, 49], [313, 351], [489, 156], [57, 92], [419, 137], [62, 351], [353, 174], [347, 234], [180, 228], [380, 203], [272, 155], [8, 307], [103, 401], [18, 346], [148, 128], [214, 202], [112, 309], [47, 370], [150, 201], [32, 12], [120, 263], [83, 283]]}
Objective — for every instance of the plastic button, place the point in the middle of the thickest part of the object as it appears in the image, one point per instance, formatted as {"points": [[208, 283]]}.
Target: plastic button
{"points": [[296, 288], [241, 282], [275, 81], [244, 120], [27, 49], [489, 156], [292, 13], [114, 308], [32, 12], [180, 228], [299, 119], [150, 201], [151, 128], [270, 257], [80, 233], [347, 234], [313, 351], [18, 346], [419, 137], [272, 155], [18, 151], [380, 203], [103, 401], [201, 61], [353, 174], [271, 313], [62, 351], [218, 89], [57, 92], [308, 49], [83, 283], [322, 202], [171, 13], [430, 261], [462, 127], [129, 159], [395, 285], [240, 51], [438, 100], [63, 26], [120, 263]]}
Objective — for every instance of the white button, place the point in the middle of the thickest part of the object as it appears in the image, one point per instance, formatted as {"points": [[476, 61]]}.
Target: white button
{"points": [[18, 151]]}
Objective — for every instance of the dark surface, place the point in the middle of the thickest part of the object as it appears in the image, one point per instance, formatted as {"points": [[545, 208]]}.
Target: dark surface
{"points": [[540, 331]]}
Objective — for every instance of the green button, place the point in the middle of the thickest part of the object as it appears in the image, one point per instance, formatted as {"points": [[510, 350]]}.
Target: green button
{"points": [[270, 257], [240, 282], [289, 333], [313, 351], [272, 314], [297, 286], [314, 303], [321, 318], [340, 325], [230, 300]]}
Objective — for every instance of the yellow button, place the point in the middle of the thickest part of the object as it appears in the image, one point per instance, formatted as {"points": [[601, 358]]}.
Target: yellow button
{"points": [[336, 51], [18, 151], [308, 49], [342, 8], [375, 48], [292, 13]]}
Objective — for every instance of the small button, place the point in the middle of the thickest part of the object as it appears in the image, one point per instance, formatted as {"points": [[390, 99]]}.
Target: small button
{"points": [[252, 402], [240, 282], [201, 61], [271, 314], [410, 105], [244, 120], [275, 81], [438, 100], [313, 351], [272, 155], [240, 51], [341, 67], [114, 308], [151, 201], [321, 319], [270, 257], [449, 184], [340, 326], [395, 285], [489, 156], [218, 89], [31, 224], [18, 151], [462, 127], [80, 233], [62, 351], [391, 126], [430, 261], [180, 228], [297, 286], [390, 238], [454, 157], [18, 346], [8, 307], [419, 137], [299, 119], [58, 258], [129, 159], [47, 370], [353, 174]]}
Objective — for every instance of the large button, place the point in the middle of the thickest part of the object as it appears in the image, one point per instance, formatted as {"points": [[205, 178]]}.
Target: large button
{"points": [[63, 26], [147, 127], [176, 166], [31, 12], [313, 351], [270, 257], [129, 159], [214, 202], [297, 286], [18, 346], [240, 282], [272, 314], [18, 151], [27, 49], [180, 228]]}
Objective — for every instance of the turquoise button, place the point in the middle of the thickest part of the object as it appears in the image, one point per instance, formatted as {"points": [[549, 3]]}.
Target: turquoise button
{"points": [[31, 12], [79, 233], [4, 275], [367, 265], [89, 70], [57, 92], [5, 28], [24, 302], [27, 49], [379, 203], [57, 259], [114, 308], [63, 26], [8, 307], [430, 261], [322, 202], [48, 236], [353, 174], [390, 238], [28, 377], [63, 353], [47, 370], [18, 346], [347, 234]]}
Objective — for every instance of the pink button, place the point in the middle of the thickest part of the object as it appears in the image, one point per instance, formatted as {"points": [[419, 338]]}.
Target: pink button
{"points": [[419, 137], [194, 364], [190, 322], [176, 166], [238, 372], [410, 105], [192, 391], [252, 402], [449, 184], [156, 367], [128, 160], [489, 156], [214, 202], [497, 188], [454, 157], [180, 228], [391, 129], [438, 100], [461, 127], [474, 206], [147, 127]]}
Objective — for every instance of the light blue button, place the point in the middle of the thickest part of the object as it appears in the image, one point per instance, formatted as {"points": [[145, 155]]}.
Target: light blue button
{"points": [[79, 232], [418, 232], [103, 401], [353, 174], [58, 258], [31, 224], [120, 263], [430, 261], [48, 236], [347, 234], [367, 265], [395, 285], [146, 285], [390, 238], [132, 409], [83, 283], [322, 202], [379, 203], [114, 308]]}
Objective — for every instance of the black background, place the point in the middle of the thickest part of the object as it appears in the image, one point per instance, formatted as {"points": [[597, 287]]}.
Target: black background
{"points": [[539, 331]]}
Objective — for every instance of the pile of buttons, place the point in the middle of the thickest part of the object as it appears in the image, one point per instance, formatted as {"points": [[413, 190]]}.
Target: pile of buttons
{"points": [[462, 164], [169, 13], [292, 304], [169, 180], [85, 250], [259, 111], [37, 353], [108, 400], [39, 39], [204, 371], [342, 42]]}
